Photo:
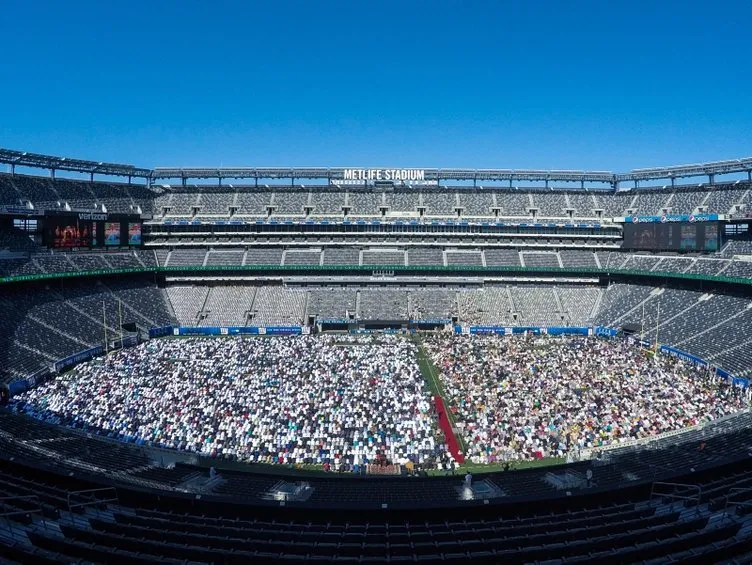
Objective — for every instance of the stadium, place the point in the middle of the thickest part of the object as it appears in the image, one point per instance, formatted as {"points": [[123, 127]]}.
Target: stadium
{"points": [[374, 364]]}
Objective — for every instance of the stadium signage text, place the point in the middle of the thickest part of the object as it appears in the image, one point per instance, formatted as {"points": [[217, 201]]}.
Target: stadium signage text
{"points": [[90, 216], [384, 174], [19, 210], [671, 218], [78, 357]]}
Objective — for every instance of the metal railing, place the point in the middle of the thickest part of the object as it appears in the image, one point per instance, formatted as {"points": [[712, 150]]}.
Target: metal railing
{"points": [[696, 492], [91, 499], [5, 515], [730, 495]]}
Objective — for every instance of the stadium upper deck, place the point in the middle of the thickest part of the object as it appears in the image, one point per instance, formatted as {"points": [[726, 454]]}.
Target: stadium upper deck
{"points": [[29, 195], [391, 194]]}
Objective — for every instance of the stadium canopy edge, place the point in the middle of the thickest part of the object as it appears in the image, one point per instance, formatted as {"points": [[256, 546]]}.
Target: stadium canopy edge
{"points": [[16, 158]]}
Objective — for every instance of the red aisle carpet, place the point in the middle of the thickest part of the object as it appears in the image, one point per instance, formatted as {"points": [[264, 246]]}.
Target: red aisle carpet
{"points": [[446, 427]]}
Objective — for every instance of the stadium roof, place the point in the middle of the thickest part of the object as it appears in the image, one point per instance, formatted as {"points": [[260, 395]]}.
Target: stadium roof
{"points": [[698, 169], [34, 160]]}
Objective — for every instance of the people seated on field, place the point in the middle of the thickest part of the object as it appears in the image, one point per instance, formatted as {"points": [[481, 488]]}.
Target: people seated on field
{"points": [[351, 403], [342, 402], [520, 398]]}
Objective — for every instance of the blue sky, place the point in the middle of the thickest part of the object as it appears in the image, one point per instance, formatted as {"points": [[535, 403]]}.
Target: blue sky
{"points": [[575, 85]]}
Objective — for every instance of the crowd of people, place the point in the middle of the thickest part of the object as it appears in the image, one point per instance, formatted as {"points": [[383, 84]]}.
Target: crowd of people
{"points": [[346, 402], [524, 397], [338, 402]]}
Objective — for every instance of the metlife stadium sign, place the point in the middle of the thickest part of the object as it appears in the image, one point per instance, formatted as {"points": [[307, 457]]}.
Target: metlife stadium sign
{"points": [[384, 174]]}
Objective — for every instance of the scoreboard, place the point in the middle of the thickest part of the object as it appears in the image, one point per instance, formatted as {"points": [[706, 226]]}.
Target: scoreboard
{"points": [[85, 230], [676, 236]]}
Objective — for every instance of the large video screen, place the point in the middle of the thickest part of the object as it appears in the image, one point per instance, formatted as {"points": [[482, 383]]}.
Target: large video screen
{"points": [[711, 237], [85, 230], [134, 234], [643, 236], [69, 232], [112, 234], [672, 236], [688, 237]]}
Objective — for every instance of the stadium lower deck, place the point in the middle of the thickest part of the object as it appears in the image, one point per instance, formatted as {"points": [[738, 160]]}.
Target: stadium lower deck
{"points": [[69, 498]]}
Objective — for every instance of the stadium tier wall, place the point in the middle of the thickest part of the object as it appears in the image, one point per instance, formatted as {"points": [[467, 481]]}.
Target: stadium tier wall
{"points": [[732, 263]]}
